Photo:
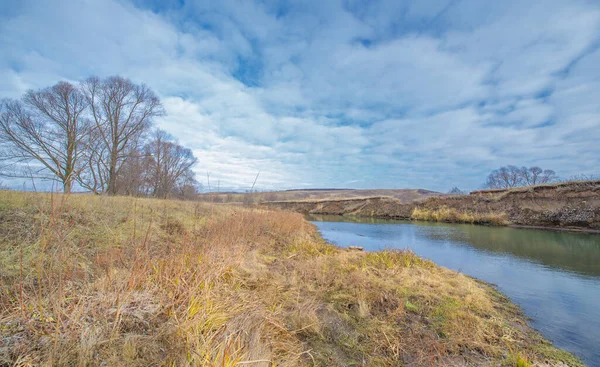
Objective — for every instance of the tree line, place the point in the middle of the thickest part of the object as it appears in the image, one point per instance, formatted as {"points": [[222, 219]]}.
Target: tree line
{"points": [[513, 176], [97, 133]]}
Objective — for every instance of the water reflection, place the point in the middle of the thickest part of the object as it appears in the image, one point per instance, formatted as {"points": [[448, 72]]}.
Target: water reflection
{"points": [[553, 276], [575, 252]]}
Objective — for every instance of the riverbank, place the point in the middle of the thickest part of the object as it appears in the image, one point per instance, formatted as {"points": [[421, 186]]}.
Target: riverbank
{"points": [[569, 206], [92, 280]]}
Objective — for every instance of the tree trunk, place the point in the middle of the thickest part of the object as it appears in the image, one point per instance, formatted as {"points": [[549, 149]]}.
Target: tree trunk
{"points": [[112, 181], [67, 186], [112, 173]]}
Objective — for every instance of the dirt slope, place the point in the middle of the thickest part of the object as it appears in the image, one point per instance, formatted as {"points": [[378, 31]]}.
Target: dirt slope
{"points": [[565, 205]]}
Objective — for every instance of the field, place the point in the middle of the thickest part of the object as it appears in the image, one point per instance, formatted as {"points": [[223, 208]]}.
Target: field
{"points": [[89, 281]]}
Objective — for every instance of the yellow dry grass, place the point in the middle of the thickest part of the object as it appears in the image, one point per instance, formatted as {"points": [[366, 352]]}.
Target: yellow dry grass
{"points": [[451, 215], [88, 281]]}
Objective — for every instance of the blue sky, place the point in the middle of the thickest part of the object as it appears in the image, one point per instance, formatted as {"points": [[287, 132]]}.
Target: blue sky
{"points": [[360, 94]]}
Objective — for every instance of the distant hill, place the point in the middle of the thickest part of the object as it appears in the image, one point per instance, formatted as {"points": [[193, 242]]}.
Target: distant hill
{"points": [[403, 195], [329, 189]]}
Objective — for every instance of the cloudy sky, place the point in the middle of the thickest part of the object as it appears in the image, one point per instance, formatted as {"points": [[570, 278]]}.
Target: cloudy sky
{"points": [[360, 94]]}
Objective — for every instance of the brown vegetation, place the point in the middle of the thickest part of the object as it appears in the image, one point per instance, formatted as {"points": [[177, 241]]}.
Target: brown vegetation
{"points": [[451, 215], [88, 280], [567, 205]]}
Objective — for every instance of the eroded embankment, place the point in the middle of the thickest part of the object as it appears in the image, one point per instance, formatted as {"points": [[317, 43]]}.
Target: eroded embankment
{"points": [[567, 205], [92, 281]]}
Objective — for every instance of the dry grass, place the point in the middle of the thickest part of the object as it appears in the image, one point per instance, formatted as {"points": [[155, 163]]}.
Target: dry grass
{"points": [[451, 215], [91, 281]]}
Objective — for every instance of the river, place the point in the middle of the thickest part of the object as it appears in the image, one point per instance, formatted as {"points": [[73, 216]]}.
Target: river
{"points": [[553, 276]]}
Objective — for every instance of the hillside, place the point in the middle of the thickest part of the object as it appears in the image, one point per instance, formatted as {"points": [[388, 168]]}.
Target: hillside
{"points": [[112, 281]]}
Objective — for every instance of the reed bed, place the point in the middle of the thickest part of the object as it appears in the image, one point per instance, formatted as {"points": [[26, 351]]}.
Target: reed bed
{"points": [[451, 215]]}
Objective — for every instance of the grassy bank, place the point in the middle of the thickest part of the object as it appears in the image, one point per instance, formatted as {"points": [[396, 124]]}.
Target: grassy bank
{"points": [[451, 215], [91, 280]]}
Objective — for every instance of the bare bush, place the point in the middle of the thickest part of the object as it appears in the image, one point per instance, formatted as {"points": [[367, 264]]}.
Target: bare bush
{"points": [[581, 178]]}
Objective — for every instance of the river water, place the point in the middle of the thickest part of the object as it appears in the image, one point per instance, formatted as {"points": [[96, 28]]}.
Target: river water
{"points": [[553, 276]]}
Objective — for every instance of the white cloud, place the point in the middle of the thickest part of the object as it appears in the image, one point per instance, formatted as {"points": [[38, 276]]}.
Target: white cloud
{"points": [[415, 93]]}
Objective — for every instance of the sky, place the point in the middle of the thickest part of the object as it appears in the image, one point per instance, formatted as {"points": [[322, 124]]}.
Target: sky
{"points": [[345, 94]]}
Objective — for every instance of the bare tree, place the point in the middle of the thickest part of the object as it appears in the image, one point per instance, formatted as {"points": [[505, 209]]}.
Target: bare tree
{"points": [[531, 175], [133, 175], [188, 187], [547, 176], [168, 164], [504, 177], [94, 176], [122, 112], [43, 135], [513, 176]]}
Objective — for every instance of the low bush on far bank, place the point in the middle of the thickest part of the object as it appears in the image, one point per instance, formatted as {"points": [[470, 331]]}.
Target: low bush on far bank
{"points": [[451, 215]]}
